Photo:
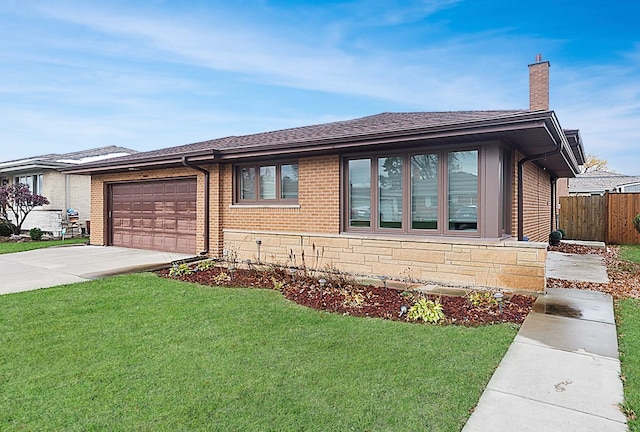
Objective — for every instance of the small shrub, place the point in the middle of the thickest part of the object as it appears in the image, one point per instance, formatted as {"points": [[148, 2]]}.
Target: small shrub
{"points": [[180, 270], [206, 265], [35, 234], [482, 299], [277, 285], [6, 229], [636, 222], [563, 232], [427, 311], [221, 278], [555, 237]]}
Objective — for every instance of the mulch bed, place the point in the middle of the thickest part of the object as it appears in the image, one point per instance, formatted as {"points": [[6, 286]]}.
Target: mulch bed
{"points": [[624, 276], [344, 296]]}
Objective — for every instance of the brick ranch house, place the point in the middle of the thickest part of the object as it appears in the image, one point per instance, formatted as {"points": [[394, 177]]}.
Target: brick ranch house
{"points": [[445, 197]]}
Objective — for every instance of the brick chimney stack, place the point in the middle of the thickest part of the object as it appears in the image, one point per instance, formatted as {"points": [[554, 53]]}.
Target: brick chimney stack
{"points": [[539, 85]]}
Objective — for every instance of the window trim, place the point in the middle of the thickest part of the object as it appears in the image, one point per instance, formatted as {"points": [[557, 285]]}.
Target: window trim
{"points": [[37, 180], [263, 202], [442, 229]]}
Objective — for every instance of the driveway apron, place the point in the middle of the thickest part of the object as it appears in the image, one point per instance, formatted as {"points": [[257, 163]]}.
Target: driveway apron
{"points": [[43, 268]]}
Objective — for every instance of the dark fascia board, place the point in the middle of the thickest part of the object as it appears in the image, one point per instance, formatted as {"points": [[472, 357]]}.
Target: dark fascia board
{"points": [[512, 123], [575, 141]]}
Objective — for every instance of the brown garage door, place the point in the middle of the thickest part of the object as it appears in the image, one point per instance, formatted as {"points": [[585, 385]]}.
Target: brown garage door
{"points": [[158, 215]]}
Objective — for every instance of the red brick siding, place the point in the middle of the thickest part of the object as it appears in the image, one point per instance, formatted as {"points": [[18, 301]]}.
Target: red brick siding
{"points": [[537, 201], [318, 207], [539, 86]]}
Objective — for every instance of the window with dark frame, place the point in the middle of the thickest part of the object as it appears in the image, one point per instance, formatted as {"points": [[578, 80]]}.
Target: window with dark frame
{"points": [[411, 192], [267, 183], [34, 181]]}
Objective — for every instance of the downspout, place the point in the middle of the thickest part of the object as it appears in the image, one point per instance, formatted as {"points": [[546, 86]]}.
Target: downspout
{"points": [[521, 162], [554, 198], [207, 199]]}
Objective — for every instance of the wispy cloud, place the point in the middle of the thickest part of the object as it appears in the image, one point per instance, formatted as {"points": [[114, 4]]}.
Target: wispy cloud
{"points": [[418, 77], [116, 73]]}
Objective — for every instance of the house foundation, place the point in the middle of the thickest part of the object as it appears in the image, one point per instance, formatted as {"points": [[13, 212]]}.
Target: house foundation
{"points": [[454, 262]]}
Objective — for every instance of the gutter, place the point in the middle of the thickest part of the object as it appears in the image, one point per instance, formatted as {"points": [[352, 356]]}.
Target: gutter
{"points": [[207, 199], [521, 163]]}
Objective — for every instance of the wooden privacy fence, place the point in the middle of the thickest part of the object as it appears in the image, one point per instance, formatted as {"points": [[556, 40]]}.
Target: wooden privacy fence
{"points": [[607, 218]]}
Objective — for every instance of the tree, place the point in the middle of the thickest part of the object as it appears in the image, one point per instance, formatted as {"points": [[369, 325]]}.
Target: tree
{"points": [[18, 199], [594, 163]]}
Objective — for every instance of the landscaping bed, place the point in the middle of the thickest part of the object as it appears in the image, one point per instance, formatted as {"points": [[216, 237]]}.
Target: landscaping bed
{"points": [[340, 294]]}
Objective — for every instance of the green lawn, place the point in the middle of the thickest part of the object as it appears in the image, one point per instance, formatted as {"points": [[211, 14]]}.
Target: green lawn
{"points": [[138, 352], [627, 313], [11, 247], [630, 253]]}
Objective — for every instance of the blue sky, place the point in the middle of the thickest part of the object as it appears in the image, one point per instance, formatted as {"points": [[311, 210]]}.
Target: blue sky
{"points": [[152, 74]]}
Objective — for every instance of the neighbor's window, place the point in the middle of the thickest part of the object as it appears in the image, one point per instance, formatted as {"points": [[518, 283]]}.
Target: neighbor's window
{"points": [[33, 181], [268, 183]]}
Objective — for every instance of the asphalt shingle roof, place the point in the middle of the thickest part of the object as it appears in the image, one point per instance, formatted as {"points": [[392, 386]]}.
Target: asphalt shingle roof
{"points": [[72, 156], [599, 181], [361, 127]]}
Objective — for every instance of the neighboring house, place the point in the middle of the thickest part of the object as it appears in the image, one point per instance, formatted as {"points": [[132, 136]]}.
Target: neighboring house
{"points": [[64, 190], [432, 196], [599, 182]]}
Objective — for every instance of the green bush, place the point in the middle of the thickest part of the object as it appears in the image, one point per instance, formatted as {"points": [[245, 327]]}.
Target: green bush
{"points": [[6, 229], [427, 311], [563, 232], [636, 222], [180, 270], [206, 265], [35, 234], [555, 237]]}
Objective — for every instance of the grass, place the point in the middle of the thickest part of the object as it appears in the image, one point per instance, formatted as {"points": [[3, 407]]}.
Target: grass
{"points": [[142, 353], [627, 312], [11, 247], [630, 253]]}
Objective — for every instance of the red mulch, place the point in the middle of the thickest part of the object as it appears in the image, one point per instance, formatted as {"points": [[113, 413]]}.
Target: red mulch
{"points": [[344, 296]]}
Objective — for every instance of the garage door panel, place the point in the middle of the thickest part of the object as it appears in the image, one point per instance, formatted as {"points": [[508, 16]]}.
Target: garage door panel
{"points": [[159, 215]]}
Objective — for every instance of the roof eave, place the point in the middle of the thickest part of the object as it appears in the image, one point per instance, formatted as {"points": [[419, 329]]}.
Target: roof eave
{"points": [[480, 129]]}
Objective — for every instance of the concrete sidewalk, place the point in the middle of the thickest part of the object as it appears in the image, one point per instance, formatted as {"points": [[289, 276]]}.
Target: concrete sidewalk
{"points": [[562, 372], [42, 268]]}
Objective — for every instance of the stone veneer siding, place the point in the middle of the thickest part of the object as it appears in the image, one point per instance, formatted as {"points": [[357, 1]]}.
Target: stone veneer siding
{"points": [[452, 262]]}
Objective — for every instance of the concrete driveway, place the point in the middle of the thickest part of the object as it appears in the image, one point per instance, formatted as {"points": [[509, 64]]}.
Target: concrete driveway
{"points": [[42, 268]]}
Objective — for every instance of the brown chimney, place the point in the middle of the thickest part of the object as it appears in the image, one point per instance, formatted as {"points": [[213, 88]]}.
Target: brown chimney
{"points": [[539, 85]]}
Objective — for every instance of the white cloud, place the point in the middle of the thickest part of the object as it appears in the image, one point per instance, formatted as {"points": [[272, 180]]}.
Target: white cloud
{"points": [[133, 76], [420, 78]]}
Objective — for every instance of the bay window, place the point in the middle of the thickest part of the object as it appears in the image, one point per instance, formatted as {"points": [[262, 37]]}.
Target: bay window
{"points": [[428, 192]]}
